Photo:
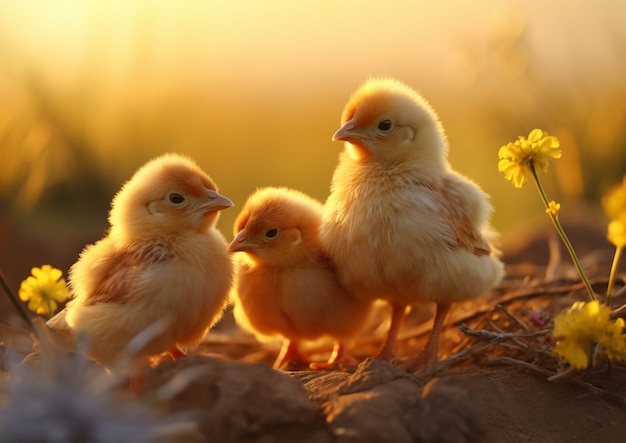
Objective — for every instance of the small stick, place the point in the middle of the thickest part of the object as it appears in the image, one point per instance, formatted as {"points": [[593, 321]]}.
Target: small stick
{"points": [[484, 334], [506, 298], [512, 317], [443, 364], [489, 339], [516, 340], [17, 303], [555, 257]]}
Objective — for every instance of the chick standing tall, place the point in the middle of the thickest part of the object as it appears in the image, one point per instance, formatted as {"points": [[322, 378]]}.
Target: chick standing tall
{"points": [[399, 223]]}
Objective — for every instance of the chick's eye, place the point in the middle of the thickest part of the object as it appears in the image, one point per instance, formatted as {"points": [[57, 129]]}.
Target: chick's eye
{"points": [[385, 126], [272, 233], [175, 198]]}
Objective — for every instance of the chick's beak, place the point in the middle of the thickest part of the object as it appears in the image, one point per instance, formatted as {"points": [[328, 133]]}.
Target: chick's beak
{"points": [[348, 133], [239, 243], [215, 202]]}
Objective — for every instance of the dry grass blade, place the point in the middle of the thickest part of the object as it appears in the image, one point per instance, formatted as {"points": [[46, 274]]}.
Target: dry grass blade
{"points": [[537, 291], [498, 337], [17, 303]]}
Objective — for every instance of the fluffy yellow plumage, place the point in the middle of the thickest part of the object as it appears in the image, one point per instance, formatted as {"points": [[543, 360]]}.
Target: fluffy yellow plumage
{"points": [[285, 286], [399, 223], [162, 263]]}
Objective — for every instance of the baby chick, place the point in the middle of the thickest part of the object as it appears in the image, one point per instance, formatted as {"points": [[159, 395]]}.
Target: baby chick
{"points": [[285, 287], [399, 223], [162, 263]]}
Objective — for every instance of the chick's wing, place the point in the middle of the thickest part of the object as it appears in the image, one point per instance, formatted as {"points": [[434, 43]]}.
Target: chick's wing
{"points": [[114, 276], [463, 207]]}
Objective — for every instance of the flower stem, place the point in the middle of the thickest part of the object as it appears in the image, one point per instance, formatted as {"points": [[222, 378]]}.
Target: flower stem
{"points": [[614, 268], [559, 228], [17, 303]]}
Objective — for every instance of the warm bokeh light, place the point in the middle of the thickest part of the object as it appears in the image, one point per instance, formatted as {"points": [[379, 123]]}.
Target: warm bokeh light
{"points": [[89, 90]]}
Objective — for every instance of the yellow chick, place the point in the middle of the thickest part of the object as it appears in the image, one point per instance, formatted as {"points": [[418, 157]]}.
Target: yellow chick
{"points": [[162, 263], [399, 223], [285, 287]]}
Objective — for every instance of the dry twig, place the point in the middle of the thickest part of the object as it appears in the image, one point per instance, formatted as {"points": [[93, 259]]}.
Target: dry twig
{"points": [[537, 291]]}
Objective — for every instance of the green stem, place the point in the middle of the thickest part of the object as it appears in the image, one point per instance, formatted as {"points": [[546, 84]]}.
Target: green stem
{"points": [[49, 306], [614, 268], [17, 303], [559, 228]]}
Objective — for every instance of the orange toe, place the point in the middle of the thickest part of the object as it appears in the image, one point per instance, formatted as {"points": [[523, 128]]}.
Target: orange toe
{"points": [[339, 359], [288, 354], [176, 353]]}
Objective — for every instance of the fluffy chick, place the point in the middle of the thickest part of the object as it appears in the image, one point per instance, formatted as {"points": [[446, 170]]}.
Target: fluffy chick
{"points": [[399, 223], [162, 263], [285, 287]]}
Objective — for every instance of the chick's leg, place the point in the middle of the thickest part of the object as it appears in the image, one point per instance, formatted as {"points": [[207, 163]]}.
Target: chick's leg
{"points": [[176, 353], [337, 354], [340, 358], [389, 349], [429, 354], [289, 352], [334, 361]]}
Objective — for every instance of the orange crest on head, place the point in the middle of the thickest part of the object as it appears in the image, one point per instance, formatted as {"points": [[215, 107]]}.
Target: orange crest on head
{"points": [[378, 96]]}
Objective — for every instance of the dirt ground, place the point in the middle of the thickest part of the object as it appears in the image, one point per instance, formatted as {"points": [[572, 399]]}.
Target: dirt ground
{"points": [[488, 388], [496, 380]]}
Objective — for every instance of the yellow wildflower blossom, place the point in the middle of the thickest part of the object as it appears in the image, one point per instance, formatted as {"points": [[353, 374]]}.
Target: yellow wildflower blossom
{"points": [[617, 233], [43, 289], [614, 204], [553, 209], [516, 158], [614, 341], [584, 324], [532, 154]]}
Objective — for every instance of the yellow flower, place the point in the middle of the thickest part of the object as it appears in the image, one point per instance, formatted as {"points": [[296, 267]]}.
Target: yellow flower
{"points": [[43, 289], [614, 204], [613, 340], [516, 158], [617, 233], [584, 324], [553, 209]]}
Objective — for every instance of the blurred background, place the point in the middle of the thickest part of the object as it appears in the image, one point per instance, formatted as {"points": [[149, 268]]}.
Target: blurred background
{"points": [[253, 91]]}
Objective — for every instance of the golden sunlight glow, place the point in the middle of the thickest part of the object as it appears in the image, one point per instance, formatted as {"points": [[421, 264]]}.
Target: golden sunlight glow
{"points": [[254, 90]]}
